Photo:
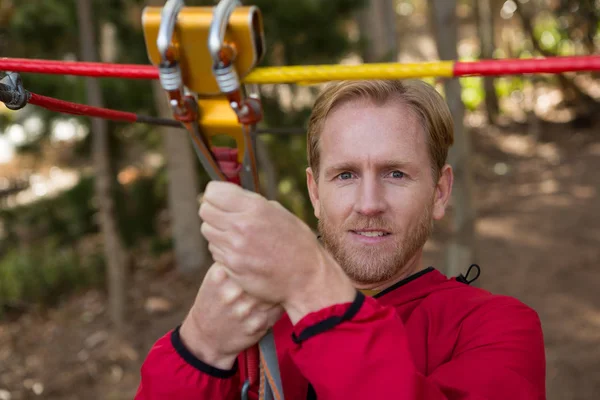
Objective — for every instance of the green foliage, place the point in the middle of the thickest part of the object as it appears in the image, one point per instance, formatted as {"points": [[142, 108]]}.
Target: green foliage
{"points": [[309, 31], [72, 214], [66, 217], [38, 259], [43, 274], [472, 93]]}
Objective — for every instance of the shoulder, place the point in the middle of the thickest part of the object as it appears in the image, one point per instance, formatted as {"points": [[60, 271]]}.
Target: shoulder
{"points": [[463, 300], [482, 316]]}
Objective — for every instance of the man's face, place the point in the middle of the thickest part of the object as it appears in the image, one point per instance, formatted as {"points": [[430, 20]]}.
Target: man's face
{"points": [[375, 197]]}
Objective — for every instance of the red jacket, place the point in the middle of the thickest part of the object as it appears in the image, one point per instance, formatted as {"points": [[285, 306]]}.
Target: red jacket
{"points": [[426, 337]]}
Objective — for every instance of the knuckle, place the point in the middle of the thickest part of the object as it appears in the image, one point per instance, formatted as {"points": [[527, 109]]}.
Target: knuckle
{"points": [[213, 250], [256, 324], [252, 303], [233, 260], [204, 228], [243, 226], [238, 242], [230, 292], [214, 274], [242, 309]]}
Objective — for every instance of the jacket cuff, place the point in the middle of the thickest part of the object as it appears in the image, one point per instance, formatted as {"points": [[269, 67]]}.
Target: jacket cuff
{"points": [[326, 319], [200, 365]]}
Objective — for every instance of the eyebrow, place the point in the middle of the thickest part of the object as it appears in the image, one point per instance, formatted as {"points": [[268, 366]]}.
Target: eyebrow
{"points": [[352, 166]]}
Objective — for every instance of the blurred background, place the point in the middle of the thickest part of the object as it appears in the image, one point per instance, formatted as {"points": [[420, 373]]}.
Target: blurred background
{"points": [[100, 244]]}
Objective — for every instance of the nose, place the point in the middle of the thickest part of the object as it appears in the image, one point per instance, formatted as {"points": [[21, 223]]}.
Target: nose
{"points": [[370, 197]]}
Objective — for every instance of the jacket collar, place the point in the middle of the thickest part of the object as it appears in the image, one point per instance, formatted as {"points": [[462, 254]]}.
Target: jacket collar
{"points": [[413, 287]]}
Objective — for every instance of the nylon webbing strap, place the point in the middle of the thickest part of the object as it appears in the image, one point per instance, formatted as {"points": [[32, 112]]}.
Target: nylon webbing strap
{"points": [[270, 379]]}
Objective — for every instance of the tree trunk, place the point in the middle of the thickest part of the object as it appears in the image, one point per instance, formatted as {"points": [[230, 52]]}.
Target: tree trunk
{"points": [[113, 247], [265, 163], [191, 249], [461, 249], [485, 25], [378, 24]]}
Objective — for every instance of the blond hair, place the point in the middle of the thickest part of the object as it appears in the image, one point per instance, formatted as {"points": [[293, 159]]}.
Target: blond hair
{"points": [[428, 105]]}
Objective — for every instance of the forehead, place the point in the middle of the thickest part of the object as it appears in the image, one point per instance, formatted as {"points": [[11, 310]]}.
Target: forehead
{"points": [[362, 130]]}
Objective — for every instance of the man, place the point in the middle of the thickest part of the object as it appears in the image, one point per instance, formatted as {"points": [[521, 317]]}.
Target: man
{"points": [[357, 316]]}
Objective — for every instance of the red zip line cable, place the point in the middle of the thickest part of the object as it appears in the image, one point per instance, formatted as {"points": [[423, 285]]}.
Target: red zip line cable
{"points": [[90, 69], [67, 107], [552, 65], [461, 68]]}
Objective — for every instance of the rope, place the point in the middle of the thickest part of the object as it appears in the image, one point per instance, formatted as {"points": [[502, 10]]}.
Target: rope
{"points": [[78, 68], [67, 107], [553, 65], [323, 73]]}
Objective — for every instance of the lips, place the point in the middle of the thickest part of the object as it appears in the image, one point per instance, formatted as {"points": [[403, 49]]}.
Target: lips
{"points": [[371, 233]]}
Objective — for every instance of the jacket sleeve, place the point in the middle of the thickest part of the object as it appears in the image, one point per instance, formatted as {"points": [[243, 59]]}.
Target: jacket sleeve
{"points": [[360, 350], [170, 371]]}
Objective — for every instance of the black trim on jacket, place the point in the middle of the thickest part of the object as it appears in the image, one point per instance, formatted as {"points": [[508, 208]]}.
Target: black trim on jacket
{"points": [[200, 365], [405, 281], [331, 322]]}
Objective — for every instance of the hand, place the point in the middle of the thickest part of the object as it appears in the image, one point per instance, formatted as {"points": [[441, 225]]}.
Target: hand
{"points": [[271, 253], [224, 320]]}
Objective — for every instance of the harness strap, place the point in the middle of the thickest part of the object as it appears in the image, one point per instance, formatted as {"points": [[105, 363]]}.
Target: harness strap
{"points": [[271, 387]]}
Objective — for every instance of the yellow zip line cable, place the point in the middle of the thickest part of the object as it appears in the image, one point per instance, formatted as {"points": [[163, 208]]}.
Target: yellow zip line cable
{"points": [[324, 73]]}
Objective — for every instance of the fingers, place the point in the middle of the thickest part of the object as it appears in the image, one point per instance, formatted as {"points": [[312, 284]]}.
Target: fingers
{"points": [[213, 215], [213, 235], [228, 196], [254, 315], [217, 254]]}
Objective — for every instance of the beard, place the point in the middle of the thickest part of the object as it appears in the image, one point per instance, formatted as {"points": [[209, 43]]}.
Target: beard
{"points": [[371, 264]]}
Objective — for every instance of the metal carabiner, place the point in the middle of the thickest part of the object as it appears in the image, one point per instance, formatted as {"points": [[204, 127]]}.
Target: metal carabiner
{"points": [[224, 69], [184, 106], [248, 109], [245, 389], [169, 70], [165, 31], [218, 26]]}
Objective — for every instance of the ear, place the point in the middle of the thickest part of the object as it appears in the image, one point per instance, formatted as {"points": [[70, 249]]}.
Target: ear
{"points": [[313, 192], [443, 191]]}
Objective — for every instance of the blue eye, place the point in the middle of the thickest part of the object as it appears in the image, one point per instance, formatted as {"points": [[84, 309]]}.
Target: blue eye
{"points": [[397, 174], [345, 175]]}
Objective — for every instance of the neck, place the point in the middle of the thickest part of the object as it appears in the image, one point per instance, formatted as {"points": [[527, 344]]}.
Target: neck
{"points": [[414, 265]]}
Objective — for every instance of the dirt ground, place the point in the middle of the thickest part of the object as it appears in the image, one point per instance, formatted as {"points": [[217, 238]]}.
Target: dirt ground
{"points": [[538, 239]]}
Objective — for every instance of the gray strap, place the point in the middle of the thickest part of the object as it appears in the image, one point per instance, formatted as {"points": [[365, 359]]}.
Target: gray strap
{"points": [[269, 355]]}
